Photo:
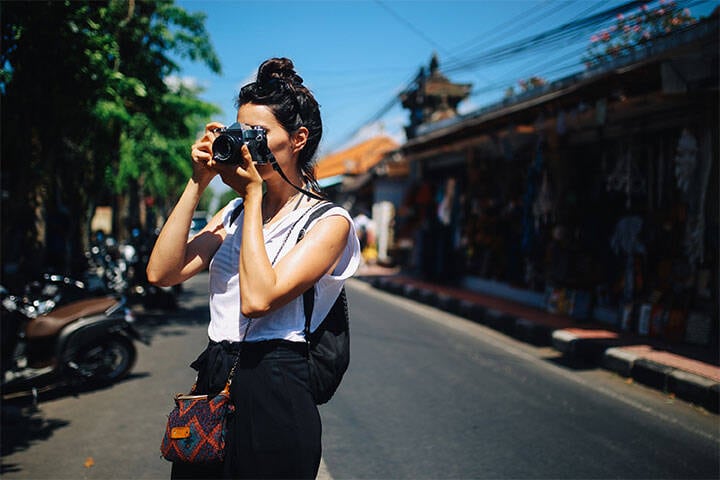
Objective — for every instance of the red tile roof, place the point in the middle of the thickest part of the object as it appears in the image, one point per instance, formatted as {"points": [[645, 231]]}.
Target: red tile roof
{"points": [[355, 160]]}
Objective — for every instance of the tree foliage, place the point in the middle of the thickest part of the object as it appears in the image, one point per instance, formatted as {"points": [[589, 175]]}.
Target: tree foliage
{"points": [[91, 111]]}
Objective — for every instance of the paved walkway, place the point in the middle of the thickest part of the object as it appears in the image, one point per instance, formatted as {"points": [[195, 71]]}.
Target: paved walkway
{"points": [[686, 371]]}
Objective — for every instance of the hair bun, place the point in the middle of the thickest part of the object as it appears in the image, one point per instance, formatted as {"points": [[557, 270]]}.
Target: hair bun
{"points": [[281, 68]]}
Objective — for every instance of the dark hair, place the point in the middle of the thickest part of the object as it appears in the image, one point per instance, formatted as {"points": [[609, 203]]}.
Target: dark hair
{"points": [[280, 88]]}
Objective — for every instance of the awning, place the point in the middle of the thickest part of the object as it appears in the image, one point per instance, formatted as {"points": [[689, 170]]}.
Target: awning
{"points": [[356, 182], [330, 181]]}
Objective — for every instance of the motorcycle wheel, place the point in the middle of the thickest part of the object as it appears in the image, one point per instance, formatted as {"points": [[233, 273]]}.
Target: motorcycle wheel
{"points": [[108, 361]]}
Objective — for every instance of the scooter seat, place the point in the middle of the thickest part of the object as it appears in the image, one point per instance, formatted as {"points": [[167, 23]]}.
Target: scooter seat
{"points": [[51, 323]]}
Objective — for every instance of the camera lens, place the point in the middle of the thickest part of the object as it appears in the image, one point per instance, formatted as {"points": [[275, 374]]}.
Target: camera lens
{"points": [[224, 148]]}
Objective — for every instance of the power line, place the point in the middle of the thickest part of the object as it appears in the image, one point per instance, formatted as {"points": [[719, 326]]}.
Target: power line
{"points": [[574, 54], [386, 107], [587, 11], [545, 40], [539, 40], [575, 63], [566, 32], [500, 32], [409, 25], [500, 29], [394, 100]]}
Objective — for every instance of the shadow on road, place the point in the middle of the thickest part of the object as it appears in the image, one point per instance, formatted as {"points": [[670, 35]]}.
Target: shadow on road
{"points": [[22, 426], [151, 323], [23, 423], [573, 363]]}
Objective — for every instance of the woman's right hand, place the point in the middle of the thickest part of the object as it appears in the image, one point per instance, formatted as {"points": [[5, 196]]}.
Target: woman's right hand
{"points": [[201, 154]]}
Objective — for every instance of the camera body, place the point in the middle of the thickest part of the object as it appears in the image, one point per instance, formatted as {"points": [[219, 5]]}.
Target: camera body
{"points": [[227, 147]]}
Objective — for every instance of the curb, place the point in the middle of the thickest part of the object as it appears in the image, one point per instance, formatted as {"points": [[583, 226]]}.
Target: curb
{"points": [[603, 351], [688, 386], [685, 385]]}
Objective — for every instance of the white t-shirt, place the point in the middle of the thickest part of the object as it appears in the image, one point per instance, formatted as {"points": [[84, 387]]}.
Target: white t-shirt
{"points": [[288, 322]]}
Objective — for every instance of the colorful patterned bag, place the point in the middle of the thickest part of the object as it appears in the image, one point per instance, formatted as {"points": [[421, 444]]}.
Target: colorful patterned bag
{"points": [[195, 431], [196, 427]]}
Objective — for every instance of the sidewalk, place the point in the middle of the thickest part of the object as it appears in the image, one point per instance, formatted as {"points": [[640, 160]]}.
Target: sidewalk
{"points": [[690, 373]]}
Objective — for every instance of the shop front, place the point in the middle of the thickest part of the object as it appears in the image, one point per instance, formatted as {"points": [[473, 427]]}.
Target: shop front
{"points": [[596, 197]]}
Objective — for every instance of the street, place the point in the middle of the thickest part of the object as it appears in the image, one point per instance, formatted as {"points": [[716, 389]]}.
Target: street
{"points": [[427, 395]]}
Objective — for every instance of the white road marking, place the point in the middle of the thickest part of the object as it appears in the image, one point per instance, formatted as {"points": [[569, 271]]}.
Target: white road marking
{"points": [[323, 473]]}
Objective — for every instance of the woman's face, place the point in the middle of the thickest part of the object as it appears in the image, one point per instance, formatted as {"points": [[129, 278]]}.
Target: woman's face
{"points": [[278, 139]]}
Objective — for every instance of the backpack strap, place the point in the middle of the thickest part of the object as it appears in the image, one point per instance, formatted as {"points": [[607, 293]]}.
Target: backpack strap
{"points": [[236, 213], [309, 295], [316, 213]]}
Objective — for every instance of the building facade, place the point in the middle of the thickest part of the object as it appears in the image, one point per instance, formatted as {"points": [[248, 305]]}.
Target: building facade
{"points": [[595, 195]]}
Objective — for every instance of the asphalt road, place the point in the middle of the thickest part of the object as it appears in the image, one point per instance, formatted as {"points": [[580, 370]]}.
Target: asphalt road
{"points": [[427, 395]]}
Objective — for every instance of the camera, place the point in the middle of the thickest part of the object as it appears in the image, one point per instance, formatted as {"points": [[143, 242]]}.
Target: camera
{"points": [[227, 146]]}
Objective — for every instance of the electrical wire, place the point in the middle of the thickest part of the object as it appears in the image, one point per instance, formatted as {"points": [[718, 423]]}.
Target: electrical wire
{"points": [[549, 39], [395, 99], [564, 54], [409, 25], [541, 40], [545, 41], [500, 30]]}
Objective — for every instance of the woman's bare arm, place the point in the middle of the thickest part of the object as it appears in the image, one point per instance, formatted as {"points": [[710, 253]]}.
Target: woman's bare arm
{"points": [[175, 258], [264, 287]]}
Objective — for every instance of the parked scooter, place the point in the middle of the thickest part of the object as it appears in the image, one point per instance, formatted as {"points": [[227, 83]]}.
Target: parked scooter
{"points": [[136, 253], [52, 290], [87, 341], [107, 268]]}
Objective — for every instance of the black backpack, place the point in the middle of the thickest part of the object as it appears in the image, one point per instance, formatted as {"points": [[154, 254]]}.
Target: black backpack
{"points": [[328, 347]]}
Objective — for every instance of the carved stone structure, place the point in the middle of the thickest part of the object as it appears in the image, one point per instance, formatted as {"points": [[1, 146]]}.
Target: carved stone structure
{"points": [[433, 97]]}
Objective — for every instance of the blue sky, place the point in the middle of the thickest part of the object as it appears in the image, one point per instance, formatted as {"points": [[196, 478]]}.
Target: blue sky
{"points": [[356, 56]]}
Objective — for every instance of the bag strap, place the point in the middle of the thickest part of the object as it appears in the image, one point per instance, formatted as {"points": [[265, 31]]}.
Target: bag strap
{"points": [[236, 213], [226, 390], [233, 216], [309, 295]]}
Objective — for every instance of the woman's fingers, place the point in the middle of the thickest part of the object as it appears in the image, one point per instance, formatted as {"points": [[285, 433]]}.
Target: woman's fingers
{"points": [[211, 128]]}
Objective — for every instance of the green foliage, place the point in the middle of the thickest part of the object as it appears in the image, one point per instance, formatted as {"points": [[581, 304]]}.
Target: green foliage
{"points": [[87, 109]]}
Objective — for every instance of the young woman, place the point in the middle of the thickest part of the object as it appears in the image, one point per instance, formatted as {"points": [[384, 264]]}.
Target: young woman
{"points": [[257, 276]]}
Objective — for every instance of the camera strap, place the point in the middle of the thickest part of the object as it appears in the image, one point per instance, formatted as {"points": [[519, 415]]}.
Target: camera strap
{"points": [[276, 167]]}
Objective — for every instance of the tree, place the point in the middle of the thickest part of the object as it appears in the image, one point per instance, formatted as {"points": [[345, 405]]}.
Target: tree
{"points": [[88, 113]]}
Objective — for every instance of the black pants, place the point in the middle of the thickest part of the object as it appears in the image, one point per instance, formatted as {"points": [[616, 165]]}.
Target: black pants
{"points": [[275, 431]]}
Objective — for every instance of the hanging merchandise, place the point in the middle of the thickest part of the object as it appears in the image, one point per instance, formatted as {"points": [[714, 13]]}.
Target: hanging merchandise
{"points": [[692, 172], [626, 241], [446, 201], [626, 178], [561, 126], [685, 160], [644, 319], [601, 111], [529, 232], [543, 205], [572, 120], [660, 176], [508, 143]]}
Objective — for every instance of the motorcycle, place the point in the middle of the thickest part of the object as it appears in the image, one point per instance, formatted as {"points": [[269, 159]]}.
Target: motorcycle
{"points": [[107, 267], [51, 290], [82, 342], [119, 268]]}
